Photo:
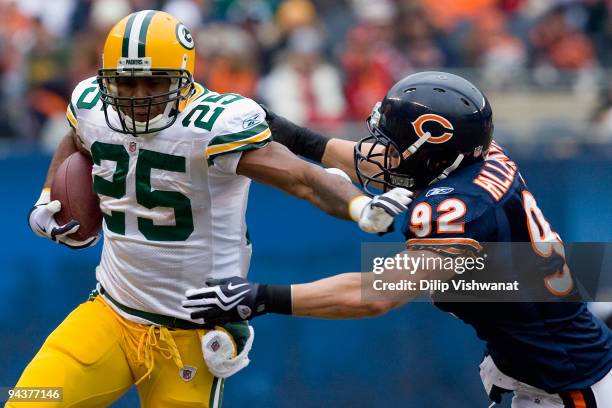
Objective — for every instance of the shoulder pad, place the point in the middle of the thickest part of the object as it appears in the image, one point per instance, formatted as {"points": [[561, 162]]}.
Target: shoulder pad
{"points": [[241, 126]]}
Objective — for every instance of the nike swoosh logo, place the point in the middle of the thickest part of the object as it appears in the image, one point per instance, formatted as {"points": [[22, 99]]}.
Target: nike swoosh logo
{"points": [[231, 286]]}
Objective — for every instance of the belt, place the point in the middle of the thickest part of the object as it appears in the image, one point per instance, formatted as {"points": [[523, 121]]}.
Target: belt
{"points": [[160, 320]]}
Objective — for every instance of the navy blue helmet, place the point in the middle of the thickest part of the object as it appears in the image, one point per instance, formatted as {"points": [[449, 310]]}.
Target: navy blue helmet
{"points": [[428, 125]]}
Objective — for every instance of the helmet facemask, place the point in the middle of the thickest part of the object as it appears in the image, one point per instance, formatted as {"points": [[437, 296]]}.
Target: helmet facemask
{"points": [[376, 165], [384, 164], [126, 107]]}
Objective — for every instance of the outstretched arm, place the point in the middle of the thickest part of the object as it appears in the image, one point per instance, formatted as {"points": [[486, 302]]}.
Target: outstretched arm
{"points": [[275, 165], [330, 152], [339, 297], [344, 296]]}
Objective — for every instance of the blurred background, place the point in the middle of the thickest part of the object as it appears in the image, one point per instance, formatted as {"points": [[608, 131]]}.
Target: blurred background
{"points": [[544, 64]]}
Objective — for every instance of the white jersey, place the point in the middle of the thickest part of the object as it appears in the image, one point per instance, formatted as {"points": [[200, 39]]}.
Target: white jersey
{"points": [[174, 207]]}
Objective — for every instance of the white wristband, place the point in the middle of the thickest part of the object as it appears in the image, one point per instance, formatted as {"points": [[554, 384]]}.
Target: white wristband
{"points": [[357, 205], [45, 196], [339, 172]]}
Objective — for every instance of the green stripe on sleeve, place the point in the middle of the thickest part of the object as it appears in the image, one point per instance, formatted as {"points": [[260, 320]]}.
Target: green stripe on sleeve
{"points": [[125, 47], [234, 137], [243, 148], [71, 106], [142, 38]]}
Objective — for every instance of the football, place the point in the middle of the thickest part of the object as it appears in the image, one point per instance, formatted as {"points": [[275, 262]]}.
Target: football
{"points": [[73, 187]]}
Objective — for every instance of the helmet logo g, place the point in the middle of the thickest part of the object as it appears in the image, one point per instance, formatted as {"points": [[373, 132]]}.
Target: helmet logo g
{"points": [[184, 36], [430, 117]]}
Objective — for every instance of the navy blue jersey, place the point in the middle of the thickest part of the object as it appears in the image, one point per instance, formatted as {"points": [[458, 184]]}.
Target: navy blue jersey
{"points": [[557, 345]]}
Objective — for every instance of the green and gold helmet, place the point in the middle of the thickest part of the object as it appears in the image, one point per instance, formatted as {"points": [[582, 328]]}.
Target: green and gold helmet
{"points": [[151, 44]]}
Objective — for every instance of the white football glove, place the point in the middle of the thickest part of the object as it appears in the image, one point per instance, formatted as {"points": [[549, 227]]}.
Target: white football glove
{"points": [[42, 222], [376, 215], [219, 349]]}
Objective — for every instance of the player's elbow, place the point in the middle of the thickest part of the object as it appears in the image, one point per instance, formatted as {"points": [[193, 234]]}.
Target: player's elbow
{"points": [[308, 178], [300, 190], [299, 184]]}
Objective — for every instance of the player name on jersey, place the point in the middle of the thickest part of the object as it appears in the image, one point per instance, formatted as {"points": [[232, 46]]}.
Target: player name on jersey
{"points": [[503, 172]]}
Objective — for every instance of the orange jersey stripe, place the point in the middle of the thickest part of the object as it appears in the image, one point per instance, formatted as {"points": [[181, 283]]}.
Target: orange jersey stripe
{"points": [[446, 241], [578, 399]]}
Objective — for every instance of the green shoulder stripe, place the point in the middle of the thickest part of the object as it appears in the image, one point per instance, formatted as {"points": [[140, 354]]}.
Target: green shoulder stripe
{"points": [[235, 137], [241, 148], [71, 106]]}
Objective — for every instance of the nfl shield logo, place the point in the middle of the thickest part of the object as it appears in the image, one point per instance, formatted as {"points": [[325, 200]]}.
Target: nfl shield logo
{"points": [[215, 345], [187, 373], [132, 147]]}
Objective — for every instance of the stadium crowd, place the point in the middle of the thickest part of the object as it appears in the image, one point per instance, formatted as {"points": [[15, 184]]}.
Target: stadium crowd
{"points": [[317, 62]]}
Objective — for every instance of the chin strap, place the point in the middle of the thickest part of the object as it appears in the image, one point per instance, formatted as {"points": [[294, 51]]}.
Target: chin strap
{"points": [[449, 169], [416, 145]]}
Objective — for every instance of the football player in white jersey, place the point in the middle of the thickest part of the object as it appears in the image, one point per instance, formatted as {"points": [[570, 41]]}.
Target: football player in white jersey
{"points": [[173, 163]]}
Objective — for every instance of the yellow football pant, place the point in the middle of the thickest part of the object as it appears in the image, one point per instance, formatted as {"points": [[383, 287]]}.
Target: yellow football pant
{"points": [[95, 356]]}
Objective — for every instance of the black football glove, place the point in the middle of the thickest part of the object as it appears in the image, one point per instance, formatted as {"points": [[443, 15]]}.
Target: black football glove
{"points": [[236, 299], [226, 300]]}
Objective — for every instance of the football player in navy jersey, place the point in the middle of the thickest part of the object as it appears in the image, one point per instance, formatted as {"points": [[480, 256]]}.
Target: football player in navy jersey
{"points": [[432, 134]]}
